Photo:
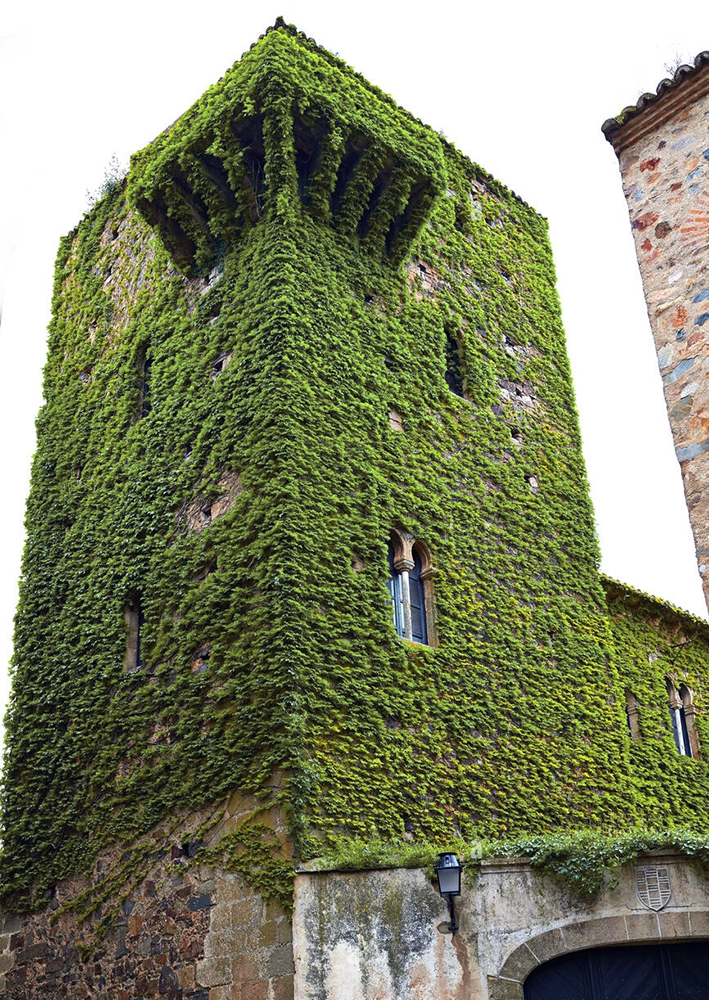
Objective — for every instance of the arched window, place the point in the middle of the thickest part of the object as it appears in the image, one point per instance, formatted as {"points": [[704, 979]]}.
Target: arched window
{"points": [[682, 715], [688, 714], [409, 584]]}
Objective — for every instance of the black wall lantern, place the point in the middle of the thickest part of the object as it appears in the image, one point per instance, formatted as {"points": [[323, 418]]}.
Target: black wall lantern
{"points": [[448, 872]]}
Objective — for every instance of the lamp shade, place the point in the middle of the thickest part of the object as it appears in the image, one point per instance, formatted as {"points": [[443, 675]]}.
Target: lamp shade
{"points": [[448, 872]]}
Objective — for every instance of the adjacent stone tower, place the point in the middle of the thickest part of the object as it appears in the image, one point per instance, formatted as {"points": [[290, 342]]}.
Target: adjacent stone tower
{"points": [[662, 145]]}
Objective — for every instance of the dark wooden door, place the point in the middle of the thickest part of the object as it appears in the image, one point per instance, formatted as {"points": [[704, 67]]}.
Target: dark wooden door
{"points": [[635, 972]]}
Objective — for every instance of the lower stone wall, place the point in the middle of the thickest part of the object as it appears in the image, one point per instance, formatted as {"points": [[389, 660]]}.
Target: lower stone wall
{"points": [[386, 935], [204, 935], [178, 929]]}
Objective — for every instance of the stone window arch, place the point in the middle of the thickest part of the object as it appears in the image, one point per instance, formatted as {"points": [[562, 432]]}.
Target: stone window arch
{"points": [[682, 713], [410, 586]]}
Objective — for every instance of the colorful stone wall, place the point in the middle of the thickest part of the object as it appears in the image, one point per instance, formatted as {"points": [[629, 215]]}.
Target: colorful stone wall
{"points": [[663, 150]]}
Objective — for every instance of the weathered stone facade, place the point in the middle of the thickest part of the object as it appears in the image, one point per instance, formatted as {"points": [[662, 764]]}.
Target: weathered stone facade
{"points": [[372, 935], [663, 151], [283, 674], [175, 928]]}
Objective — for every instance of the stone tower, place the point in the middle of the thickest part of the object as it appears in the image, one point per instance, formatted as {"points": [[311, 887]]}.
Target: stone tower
{"points": [[311, 571], [662, 144]]}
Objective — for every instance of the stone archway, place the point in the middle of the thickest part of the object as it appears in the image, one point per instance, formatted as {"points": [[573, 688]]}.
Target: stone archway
{"points": [[635, 928], [675, 971]]}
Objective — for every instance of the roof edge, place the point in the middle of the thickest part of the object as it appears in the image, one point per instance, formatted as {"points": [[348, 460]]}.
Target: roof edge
{"points": [[617, 590], [617, 129]]}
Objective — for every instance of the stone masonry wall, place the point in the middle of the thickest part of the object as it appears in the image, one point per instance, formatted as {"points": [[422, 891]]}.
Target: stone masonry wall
{"points": [[385, 935], [178, 930], [664, 161]]}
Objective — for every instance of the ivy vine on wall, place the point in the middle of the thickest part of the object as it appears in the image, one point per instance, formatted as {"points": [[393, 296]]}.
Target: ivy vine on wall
{"points": [[281, 269]]}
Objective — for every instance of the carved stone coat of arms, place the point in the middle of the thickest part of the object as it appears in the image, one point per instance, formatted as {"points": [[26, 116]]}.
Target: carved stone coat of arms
{"points": [[652, 884]]}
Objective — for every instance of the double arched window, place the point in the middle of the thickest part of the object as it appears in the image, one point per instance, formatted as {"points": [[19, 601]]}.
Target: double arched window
{"points": [[410, 588], [682, 713]]}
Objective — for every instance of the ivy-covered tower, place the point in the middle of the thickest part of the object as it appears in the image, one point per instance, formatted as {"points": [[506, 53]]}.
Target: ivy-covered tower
{"points": [[310, 546], [246, 399]]}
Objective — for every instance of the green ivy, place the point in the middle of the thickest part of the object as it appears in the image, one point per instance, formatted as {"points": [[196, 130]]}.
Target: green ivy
{"points": [[514, 722], [588, 861]]}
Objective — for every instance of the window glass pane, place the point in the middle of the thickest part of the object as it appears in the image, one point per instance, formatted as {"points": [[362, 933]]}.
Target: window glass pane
{"points": [[394, 587], [418, 607]]}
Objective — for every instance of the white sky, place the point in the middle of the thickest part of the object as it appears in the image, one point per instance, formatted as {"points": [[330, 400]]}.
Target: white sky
{"points": [[522, 88]]}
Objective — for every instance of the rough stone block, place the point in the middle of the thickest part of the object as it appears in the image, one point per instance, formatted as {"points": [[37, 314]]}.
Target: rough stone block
{"points": [[268, 934], [279, 962], [519, 964], [674, 925], [214, 971], [247, 912], [7, 961], [255, 990], [245, 968], [231, 888], [227, 941], [283, 987], [642, 927], [186, 976], [274, 910], [504, 989], [11, 923]]}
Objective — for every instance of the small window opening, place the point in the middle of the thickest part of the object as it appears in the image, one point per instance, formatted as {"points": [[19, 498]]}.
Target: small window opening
{"points": [[200, 660], [146, 403], [632, 714], [135, 621], [409, 586], [219, 365], [678, 706], [454, 368]]}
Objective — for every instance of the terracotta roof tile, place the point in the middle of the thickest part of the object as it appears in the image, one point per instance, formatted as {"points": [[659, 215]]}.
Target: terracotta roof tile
{"points": [[683, 73]]}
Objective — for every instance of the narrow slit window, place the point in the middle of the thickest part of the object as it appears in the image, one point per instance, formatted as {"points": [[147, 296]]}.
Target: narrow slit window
{"points": [[145, 388], [454, 367], [631, 714], [135, 622]]}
